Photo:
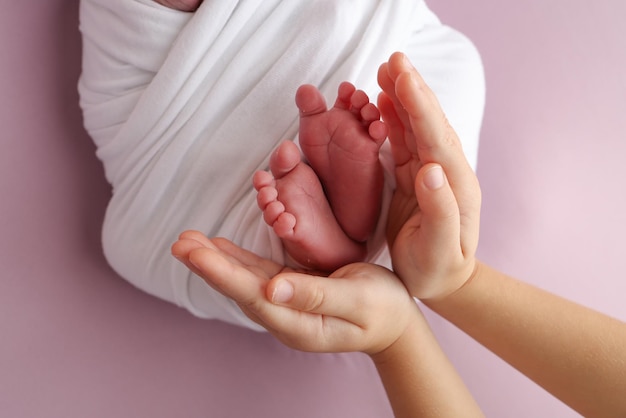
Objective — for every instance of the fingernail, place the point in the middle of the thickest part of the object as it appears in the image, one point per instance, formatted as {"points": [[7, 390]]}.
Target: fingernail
{"points": [[433, 179], [283, 292]]}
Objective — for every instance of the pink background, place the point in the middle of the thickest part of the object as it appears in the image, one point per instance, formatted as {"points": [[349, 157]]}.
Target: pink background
{"points": [[77, 341]]}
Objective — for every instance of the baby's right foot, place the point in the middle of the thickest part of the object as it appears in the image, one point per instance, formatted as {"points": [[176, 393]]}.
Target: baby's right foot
{"points": [[342, 146], [294, 204]]}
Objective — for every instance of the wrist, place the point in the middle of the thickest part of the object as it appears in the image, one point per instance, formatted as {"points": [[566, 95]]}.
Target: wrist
{"points": [[475, 271], [418, 377], [405, 344]]}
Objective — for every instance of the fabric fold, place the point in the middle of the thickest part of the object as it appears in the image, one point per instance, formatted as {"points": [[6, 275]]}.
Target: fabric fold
{"points": [[184, 108]]}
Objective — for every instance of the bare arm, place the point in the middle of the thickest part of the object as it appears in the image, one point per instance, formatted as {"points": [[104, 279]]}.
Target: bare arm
{"points": [[575, 353], [420, 380], [361, 307]]}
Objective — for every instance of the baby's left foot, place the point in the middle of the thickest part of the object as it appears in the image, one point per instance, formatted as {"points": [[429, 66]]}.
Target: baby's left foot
{"points": [[295, 206]]}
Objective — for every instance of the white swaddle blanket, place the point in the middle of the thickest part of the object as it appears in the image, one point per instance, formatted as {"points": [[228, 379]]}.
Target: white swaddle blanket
{"points": [[184, 108]]}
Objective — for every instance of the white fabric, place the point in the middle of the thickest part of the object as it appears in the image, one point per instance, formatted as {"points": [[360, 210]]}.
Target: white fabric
{"points": [[183, 109]]}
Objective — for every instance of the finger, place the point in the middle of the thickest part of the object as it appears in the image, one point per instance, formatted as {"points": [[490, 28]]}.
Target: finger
{"points": [[397, 133], [230, 278], [233, 271], [186, 243], [181, 248], [299, 330], [441, 227], [197, 236], [192, 240], [388, 86], [339, 295], [242, 276], [263, 266], [314, 313], [224, 268], [386, 83], [299, 313], [436, 141], [393, 113], [348, 311], [311, 294], [440, 224]]}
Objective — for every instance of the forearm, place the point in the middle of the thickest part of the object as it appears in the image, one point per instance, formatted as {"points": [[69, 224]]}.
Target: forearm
{"points": [[577, 354], [419, 379]]}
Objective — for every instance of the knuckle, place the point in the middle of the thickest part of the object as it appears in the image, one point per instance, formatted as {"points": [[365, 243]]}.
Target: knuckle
{"points": [[314, 299]]}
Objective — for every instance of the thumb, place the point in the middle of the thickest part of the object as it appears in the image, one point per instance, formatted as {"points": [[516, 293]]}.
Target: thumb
{"points": [[313, 294], [440, 223]]}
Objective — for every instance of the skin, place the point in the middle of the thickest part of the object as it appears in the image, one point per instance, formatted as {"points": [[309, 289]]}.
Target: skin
{"points": [[342, 144], [294, 204], [325, 209], [575, 353], [359, 307], [434, 255]]}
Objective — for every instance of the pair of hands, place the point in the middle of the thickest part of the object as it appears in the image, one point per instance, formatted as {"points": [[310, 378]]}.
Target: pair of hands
{"points": [[432, 233]]}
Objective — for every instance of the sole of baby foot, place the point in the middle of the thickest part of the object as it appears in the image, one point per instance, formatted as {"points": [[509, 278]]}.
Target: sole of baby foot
{"points": [[342, 145], [295, 206]]}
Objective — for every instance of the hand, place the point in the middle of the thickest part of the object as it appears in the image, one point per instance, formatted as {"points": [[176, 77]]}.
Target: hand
{"points": [[360, 307], [434, 214]]}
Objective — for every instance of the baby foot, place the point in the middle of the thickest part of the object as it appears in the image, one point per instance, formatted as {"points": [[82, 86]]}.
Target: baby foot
{"points": [[294, 204], [342, 146]]}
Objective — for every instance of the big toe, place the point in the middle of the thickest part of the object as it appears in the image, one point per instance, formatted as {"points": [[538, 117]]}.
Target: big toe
{"points": [[310, 100], [285, 158]]}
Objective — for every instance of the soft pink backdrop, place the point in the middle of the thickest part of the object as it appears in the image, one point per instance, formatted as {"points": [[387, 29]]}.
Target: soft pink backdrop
{"points": [[77, 341], [551, 167]]}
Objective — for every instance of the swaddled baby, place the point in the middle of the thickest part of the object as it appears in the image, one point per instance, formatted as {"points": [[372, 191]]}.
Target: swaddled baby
{"points": [[185, 108]]}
